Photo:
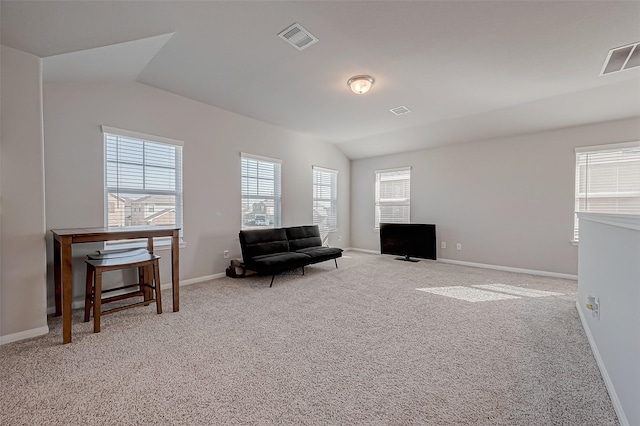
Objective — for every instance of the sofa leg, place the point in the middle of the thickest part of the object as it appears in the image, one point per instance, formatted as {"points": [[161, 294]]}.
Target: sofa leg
{"points": [[272, 277], [336, 260]]}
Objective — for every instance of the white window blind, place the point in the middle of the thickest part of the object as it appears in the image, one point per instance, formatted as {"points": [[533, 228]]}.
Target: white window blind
{"points": [[261, 196], [393, 196], [143, 180], [607, 180], [325, 199]]}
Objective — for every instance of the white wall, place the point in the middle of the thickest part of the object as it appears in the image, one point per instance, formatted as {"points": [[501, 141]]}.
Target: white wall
{"points": [[22, 224], [509, 202], [213, 139], [609, 268]]}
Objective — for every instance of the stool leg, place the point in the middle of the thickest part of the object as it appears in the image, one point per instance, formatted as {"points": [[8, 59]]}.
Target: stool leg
{"points": [[141, 281], [97, 300], [88, 294], [145, 276], [156, 278]]}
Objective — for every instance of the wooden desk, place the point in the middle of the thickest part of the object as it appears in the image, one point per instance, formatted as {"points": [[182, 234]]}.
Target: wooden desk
{"points": [[62, 260]]}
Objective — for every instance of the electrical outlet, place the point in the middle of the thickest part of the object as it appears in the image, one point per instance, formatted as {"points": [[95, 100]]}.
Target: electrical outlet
{"points": [[225, 254], [443, 245], [458, 246], [339, 237], [593, 304]]}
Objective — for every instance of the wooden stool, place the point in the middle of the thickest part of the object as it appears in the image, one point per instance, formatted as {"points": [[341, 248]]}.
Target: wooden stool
{"points": [[148, 282], [118, 254]]}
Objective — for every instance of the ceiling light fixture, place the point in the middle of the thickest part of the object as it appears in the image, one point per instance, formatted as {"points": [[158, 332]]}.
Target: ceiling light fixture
{"points": [[360, 84]]}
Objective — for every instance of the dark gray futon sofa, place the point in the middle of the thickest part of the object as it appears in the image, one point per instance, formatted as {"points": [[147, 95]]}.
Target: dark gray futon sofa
{"points": [[273, 251]]}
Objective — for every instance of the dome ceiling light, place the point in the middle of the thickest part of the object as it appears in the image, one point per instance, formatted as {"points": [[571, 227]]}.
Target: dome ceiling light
{"points": [[360, 84]]}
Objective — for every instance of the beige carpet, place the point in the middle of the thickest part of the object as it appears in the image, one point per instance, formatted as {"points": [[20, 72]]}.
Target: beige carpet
{"points": [[356, 345]]}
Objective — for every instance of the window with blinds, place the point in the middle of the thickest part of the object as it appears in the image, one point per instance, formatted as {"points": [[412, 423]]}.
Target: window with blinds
{"points": [[325, 199], [607, 180], [143, 179], [261, 196], [393, 196]]}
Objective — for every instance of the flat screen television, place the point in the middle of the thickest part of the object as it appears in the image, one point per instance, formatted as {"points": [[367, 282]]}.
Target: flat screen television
{"points": [[408, 240]]}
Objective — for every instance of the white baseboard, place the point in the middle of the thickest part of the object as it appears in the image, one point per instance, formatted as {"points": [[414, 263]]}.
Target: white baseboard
{"points": [[183, 283], [362, 250], [486, 266], [76, 304], [617, 406], [510, 269], [27, 334], [79, 304]]}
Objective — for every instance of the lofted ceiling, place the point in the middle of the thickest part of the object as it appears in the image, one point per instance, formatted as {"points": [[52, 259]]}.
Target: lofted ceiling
{"points": [[467, 70]]}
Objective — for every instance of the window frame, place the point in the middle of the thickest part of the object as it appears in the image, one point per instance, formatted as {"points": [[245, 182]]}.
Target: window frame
{"points": [[178, 191], [406, 202], [579, 162], [332, 200], [277, 190]]}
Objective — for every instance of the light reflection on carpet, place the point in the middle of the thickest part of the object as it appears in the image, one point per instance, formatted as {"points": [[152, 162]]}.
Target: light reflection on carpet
{"points": [[518, 291], [468, 294]]}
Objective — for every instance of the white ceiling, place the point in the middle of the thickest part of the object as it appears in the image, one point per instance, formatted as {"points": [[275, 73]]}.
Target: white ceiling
{"points": [[468, 70]]}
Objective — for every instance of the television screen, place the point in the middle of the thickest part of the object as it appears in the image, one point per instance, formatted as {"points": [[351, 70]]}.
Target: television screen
{"points": [[408, 240]]}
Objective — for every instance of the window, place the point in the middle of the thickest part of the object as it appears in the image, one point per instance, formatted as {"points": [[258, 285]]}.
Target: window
{"points": [[261, 199], [142, 171], [325, 199], [393, 196], [607, 180]]}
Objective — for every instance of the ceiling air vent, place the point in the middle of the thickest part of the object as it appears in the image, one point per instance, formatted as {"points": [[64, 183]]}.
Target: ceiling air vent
{"points": [[400, 110], [622, 58], [298, 37]]}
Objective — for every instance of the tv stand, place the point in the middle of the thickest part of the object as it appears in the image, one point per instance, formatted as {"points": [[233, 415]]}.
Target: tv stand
{"points": [[407, 259]]}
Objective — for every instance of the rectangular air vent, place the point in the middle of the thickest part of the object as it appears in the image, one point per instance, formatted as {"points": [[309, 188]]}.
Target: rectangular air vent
{"points": [[400, 110], [298, 37], [621, 59]]}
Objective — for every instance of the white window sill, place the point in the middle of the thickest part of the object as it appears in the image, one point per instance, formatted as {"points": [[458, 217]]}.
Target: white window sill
{"points": [[574, 242]]}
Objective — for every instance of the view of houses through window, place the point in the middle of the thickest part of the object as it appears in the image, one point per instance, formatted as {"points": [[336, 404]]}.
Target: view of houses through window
{"points": [[132, 210], [261, 200], [143, 181]]}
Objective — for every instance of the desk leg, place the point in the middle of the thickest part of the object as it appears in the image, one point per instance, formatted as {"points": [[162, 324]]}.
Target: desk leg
{"points": [[175, 270], [57, 276], [67, 290]]}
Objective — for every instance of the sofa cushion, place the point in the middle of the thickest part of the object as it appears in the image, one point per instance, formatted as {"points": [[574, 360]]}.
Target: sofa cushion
{"points": [[279, 262], [301, 237], [257, 242], [320, 254]]}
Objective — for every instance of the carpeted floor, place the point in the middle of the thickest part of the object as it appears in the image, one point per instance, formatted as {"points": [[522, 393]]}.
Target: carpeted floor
{"points": [[355, 345]]}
